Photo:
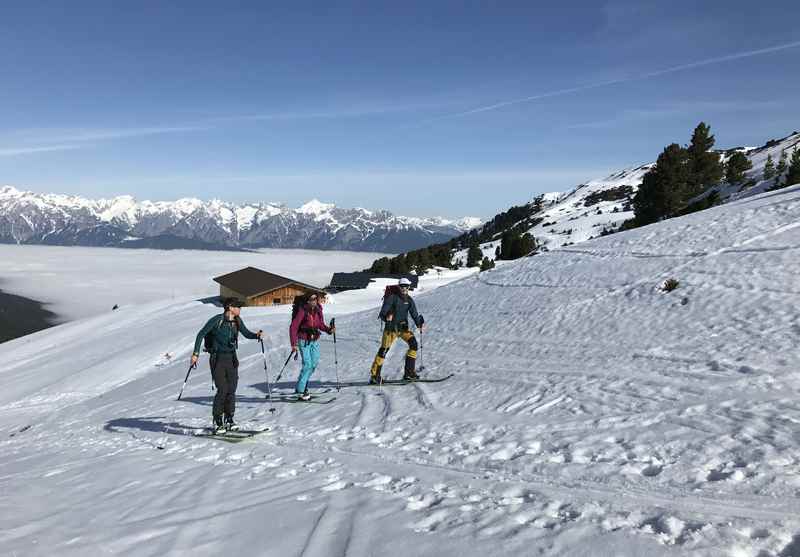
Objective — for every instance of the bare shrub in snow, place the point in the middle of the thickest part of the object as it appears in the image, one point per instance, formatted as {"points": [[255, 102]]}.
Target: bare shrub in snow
{"points": [[669, 285]]}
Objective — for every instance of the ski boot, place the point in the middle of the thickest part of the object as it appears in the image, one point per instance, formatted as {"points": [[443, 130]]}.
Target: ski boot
{"points": [[218, 426], [375, 379], [410, 369], [230, 425], [305, 396]]}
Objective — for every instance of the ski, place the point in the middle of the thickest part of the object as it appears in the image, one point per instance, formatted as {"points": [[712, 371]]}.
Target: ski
{"points": [[312, 400], [231, 436], [408, 382]]}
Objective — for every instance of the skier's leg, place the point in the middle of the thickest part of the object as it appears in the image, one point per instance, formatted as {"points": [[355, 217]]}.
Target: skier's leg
{"points": [[411, 355], [313, 353], [387, 340], [232, 376], [308, 362], [220, 382]]}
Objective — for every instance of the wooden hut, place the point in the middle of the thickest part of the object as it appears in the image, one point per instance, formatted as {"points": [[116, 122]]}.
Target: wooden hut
{"points": [[255, 287]]}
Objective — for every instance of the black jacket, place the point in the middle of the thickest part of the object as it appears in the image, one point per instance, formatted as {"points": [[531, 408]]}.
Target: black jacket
{"points": [[400, 307]]}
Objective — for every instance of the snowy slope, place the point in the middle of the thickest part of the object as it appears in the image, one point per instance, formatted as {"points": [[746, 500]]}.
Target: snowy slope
{"points": [[581, 214], [758, 157], [590, 414], [600, 206]]}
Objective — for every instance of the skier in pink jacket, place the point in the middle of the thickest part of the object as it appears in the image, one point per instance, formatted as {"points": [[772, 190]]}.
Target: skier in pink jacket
{"points": [[304, 333]]}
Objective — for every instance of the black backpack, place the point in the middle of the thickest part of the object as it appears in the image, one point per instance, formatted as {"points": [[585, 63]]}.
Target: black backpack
{"points": [[208, 340], [299, 301]]}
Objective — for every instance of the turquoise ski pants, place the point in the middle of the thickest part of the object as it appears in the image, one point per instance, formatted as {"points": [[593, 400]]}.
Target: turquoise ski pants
{"points": [[309, 351]]}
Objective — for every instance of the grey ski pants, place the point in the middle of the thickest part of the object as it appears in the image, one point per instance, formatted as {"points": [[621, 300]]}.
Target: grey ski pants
{"points": [[225, 372]]}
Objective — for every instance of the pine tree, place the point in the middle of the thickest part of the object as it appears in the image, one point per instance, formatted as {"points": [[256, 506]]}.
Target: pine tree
{"points": [[381, 266], [782, 164], [411, 260], [736, 166], [769, 168], [665, 188], [487, 264], [474, 255], [398, 265], [520, 245], [423, 261], [793, 177], [506, 241], [705, 165], [527, 244], [780, 170]]}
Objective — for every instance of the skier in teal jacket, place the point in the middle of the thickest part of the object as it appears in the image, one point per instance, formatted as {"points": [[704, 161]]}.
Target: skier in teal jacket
{"points": [[224, 334]]}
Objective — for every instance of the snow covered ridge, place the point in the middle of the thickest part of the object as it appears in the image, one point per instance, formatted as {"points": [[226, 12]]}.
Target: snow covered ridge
{"points": [[34, 218], [600, 206]]}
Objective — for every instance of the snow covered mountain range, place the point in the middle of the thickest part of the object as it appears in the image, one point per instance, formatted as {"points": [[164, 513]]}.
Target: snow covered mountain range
{"points": [[34, 218]]}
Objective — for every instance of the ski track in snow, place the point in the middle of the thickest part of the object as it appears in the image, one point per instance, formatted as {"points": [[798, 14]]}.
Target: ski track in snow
{"points": [[588, 409]]}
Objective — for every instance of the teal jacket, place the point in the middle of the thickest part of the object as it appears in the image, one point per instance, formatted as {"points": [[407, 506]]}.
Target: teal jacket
{"points": [[401, 308], [224, 334]]}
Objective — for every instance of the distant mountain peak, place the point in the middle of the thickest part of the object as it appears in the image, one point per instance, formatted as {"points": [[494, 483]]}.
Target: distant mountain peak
{"points": [[315, 207]]}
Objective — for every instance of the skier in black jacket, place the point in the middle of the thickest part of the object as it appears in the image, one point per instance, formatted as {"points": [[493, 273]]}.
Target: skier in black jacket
{"points": [[395, 312], [224, 333]]}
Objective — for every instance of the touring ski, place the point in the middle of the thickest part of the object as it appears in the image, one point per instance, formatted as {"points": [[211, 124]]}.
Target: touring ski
{"points": [[408, 382], [231, 436], [313, 400]]}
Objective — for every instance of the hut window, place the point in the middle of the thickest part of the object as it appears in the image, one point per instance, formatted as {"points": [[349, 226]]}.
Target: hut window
{"points": [[276, 301]]}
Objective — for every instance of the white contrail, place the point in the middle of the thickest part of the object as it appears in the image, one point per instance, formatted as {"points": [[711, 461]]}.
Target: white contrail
{"points": [[560, 92], [15, 151]]}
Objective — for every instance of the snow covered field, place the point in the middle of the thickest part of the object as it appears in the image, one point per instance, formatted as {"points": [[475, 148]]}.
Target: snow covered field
{"points": [[79, 282], [590, 414]]}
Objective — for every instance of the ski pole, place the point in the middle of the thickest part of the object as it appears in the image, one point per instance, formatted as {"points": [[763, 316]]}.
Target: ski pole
{"points": [[335, 354], [286, 363], [266, 374], [421, 325], [191, 367]]}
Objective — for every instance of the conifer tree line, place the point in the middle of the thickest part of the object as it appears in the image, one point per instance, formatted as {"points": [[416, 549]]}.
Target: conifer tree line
{"points": [[681, 181], [512, 226]]}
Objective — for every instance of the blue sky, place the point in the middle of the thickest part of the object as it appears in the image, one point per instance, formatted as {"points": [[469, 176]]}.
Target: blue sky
{"points": [[423, 108]]}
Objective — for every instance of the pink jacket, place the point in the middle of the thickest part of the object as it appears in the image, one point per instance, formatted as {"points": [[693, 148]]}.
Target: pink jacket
{"points": [[305, 322]]}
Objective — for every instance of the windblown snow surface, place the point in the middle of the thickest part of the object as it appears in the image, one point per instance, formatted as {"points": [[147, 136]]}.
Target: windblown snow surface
{"points": [[590, 414]]}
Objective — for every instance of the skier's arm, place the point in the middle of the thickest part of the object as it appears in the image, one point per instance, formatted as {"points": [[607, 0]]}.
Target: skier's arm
{"points": [[203, 332], [247, 333], [412, 309], [386, 309], [295, 327], [324, 327]]}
